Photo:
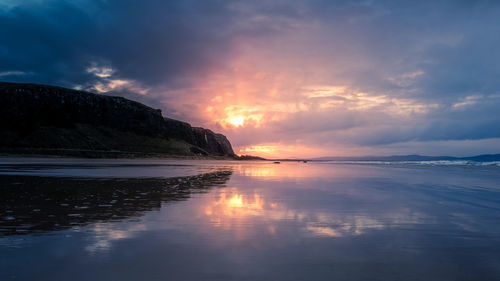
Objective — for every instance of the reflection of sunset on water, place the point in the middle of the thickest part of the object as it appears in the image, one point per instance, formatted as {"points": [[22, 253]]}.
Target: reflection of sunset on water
{"points": [[232, 205], [295, 169], [264, 171], [241, 213]]}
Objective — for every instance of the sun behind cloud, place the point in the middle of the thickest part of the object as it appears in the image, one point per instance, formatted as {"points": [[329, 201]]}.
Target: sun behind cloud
{"points": [[237, 121]]}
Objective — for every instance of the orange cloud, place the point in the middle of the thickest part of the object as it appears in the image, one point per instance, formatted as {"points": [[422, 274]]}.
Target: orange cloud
{"points": [[281, 150], [275, 105]]}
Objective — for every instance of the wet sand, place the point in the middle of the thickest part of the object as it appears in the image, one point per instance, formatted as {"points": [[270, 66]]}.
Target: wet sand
{"points": [[230, 220]]}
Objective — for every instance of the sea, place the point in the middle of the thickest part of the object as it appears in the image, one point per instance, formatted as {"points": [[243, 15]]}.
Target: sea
{"points": [[153, 219]]}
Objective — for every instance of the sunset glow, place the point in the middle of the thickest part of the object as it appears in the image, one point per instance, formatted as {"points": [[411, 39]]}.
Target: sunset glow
{"points": [[321, 79], [236, 121], [259, 148], [233, 205]]}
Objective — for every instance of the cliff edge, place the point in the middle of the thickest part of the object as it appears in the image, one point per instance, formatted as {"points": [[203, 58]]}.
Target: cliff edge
{"points": [[45, 119]]}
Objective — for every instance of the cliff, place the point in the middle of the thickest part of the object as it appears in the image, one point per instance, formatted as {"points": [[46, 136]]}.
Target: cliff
{"points": [[54, 120]]}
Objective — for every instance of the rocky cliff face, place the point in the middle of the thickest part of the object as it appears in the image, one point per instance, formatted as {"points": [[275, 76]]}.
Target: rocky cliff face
{"points": [[47, 117]]}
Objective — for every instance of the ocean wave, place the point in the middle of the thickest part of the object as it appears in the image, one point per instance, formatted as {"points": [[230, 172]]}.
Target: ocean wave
{"points": [[426, 163]]}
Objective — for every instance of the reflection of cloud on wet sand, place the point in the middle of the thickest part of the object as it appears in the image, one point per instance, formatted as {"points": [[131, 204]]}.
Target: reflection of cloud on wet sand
{"points": [[104, 234], [295, 170], [233, 210], [231, 206]]}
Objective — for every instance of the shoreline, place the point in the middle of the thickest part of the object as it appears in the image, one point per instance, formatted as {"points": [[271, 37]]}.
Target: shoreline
{"points": [[96, 154]]}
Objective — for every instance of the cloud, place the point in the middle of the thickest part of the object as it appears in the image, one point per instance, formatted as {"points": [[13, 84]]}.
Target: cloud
{"points": [[107, 83], [12, 73], [343, 76]]}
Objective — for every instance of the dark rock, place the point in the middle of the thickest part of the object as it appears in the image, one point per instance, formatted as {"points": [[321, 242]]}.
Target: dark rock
{"points": [[48, 117]]}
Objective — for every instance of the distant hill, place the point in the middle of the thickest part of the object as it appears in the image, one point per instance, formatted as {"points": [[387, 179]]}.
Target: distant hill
{"points": [[41, 119], [477, 158]]}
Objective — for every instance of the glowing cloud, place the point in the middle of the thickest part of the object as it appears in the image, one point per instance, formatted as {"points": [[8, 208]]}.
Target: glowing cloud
{"points": [[107, 83]]}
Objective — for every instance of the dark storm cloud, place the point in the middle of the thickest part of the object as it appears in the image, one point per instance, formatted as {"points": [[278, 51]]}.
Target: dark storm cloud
{"points": [[150, 41], [44, 41]]}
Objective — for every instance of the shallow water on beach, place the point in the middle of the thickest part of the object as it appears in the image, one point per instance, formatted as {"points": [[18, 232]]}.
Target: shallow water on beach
{"points": [[70, 219]]}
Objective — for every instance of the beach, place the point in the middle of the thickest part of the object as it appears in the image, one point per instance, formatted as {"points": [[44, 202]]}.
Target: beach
{"points": [[247, 220]]}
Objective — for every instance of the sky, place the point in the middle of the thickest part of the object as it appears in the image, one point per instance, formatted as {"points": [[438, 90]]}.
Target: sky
{"points": [[282, 78]]}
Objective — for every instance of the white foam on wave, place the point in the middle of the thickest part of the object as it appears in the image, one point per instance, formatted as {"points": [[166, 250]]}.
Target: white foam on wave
{"points": [[426, 163]]}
